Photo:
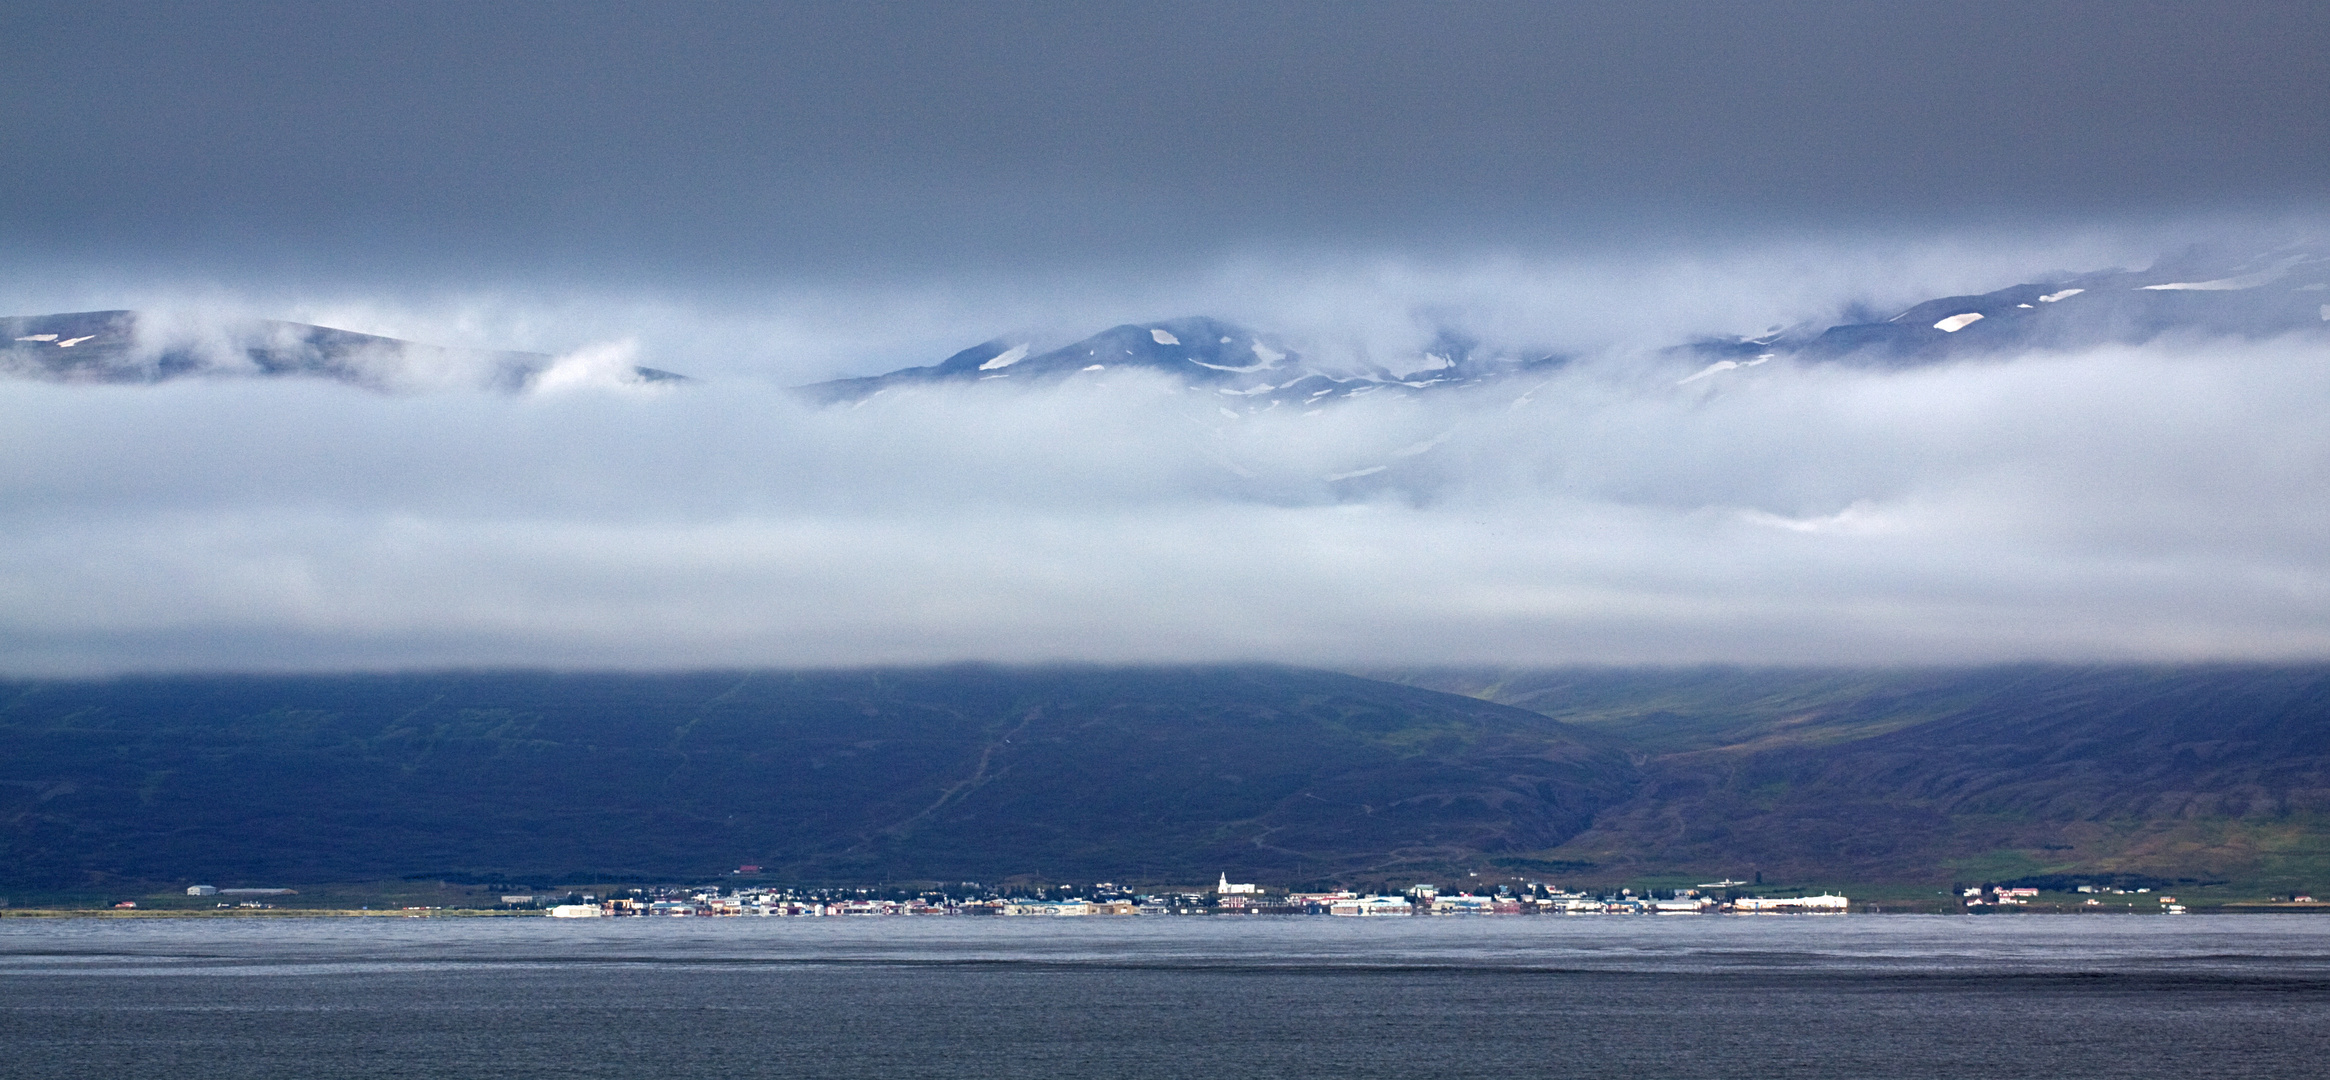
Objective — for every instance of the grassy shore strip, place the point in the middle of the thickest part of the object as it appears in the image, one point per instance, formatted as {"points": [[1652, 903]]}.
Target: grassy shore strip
{"points": [[2229, 908], [275, 913]]}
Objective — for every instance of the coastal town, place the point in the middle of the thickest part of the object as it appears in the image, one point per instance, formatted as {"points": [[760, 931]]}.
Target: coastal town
{"points": [[1227, 898]]}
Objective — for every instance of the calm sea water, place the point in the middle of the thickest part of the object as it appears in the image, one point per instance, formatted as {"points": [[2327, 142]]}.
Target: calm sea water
{"points": [[1858, 996]]}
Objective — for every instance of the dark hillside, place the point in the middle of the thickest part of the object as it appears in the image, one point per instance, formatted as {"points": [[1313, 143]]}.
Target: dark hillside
{"points": [[1910, 775], [957, 773]]}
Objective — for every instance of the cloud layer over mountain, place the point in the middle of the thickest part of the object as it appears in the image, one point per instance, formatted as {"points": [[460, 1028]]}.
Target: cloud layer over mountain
{"points": [[767, 196], [2170, 501]]}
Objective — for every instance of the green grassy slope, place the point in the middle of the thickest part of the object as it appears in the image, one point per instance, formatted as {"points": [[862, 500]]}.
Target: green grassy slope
{"points": [[957, 773], [1171, 774], [2213, 772]]}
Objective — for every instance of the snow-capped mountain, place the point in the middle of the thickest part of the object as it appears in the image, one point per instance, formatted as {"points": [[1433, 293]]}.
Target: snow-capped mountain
{"points": [[1245, 371], [1232, 362], [132, 347], [2283, 292]]}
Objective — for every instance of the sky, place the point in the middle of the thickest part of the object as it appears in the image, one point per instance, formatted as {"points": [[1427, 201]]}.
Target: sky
{"points": [[769, 194]]}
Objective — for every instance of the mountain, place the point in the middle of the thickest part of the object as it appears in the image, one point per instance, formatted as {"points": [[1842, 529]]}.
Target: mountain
{"points": [[132, 347], [1163, 775], [2034, 772], [2194, 295], [954, 773], [1205, 355]]}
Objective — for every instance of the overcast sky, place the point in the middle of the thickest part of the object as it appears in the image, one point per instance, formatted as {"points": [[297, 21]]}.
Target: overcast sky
{"points": [[557, 140], [764, 194]]}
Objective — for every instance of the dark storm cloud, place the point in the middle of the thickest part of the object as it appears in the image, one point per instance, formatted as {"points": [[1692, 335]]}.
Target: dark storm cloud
{"points": [[798, 139]]}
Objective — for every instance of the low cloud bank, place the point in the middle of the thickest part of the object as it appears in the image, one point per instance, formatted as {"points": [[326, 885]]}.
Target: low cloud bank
{"points": [[2168, 502]]}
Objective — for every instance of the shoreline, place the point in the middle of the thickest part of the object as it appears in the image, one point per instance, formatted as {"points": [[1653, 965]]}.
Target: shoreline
{"points": [[464, 913]]}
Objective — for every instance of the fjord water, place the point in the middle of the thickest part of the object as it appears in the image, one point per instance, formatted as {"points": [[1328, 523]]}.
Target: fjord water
{"points": [[1852, 996]]}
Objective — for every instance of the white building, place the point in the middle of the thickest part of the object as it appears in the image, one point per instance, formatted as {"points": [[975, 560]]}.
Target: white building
{"points": [[1791, 903], [1226, 888], [1682, 905], [202, 890], [1363, 906]]}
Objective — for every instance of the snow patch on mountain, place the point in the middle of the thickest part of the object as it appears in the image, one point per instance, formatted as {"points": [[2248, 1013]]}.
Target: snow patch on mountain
{"points": [[1006, 358]]}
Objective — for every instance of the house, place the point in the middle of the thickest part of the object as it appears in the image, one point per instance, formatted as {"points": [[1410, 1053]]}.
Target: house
{"points": [[1464, 904], [1791, 903], [1364, 906]]}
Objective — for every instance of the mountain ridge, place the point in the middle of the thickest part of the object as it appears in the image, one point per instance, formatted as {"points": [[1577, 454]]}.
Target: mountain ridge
{"points": [[1914, 776], [2195, 294], [131, 347]]}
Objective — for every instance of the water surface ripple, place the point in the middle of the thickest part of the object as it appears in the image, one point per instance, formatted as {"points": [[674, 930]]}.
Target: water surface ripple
{"points": [[1149, 996]]}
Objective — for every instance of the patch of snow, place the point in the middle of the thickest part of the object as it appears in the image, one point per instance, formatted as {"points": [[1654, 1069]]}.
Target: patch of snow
{"points": [[984, 378], [1719, 365], [1436, 362], [1095, 367], [70, 342], [1225, 341], [2326, 313], [2022, 305], [1006, 358], [1223, 367], [2230, 284], [1955, 323], [1163, 338], [39, 337], [1328, 390], [1269, 355], [1332, 477], [2064, 295]]}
